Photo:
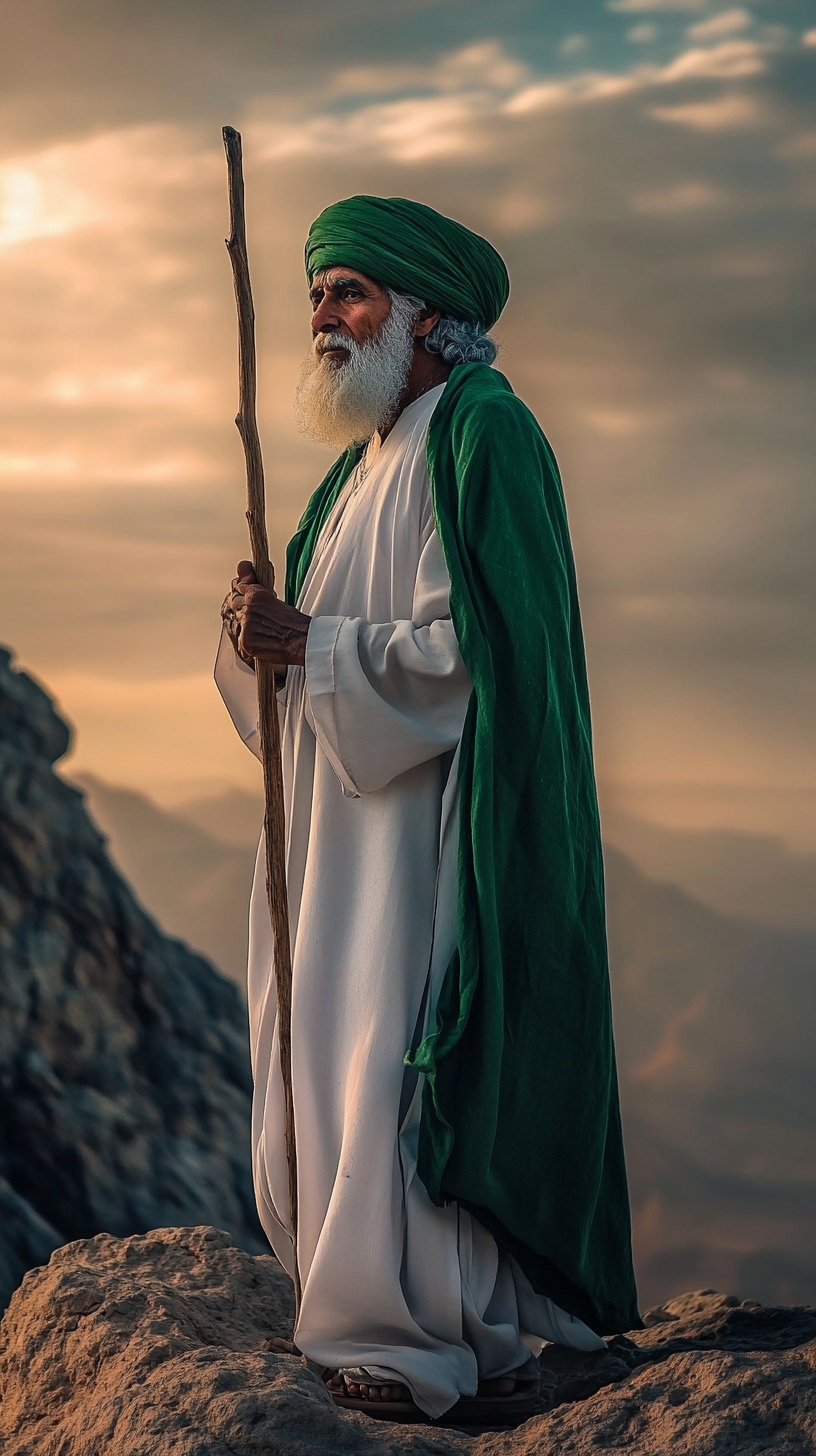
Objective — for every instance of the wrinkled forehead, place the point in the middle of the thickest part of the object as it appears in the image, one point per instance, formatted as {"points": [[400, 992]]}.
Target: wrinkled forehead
{"points": [[339, 273]]}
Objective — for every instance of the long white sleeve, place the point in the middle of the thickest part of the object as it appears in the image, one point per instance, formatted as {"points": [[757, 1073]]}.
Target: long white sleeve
{"points": [[384, 697], [236, 684]]}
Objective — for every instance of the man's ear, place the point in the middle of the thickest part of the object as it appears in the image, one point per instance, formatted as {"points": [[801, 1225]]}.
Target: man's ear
{"points": [[425, 321]]}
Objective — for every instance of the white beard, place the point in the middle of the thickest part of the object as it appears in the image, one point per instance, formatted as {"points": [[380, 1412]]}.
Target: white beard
{"points": [[342, 404]]}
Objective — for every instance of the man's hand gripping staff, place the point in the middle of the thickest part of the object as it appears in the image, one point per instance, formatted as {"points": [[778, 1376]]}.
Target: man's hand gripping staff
{"points": [[261, 627]]}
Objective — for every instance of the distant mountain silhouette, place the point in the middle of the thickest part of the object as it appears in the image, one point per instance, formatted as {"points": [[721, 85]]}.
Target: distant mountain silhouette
{"points": [[716, 1026], [234, 816], [196, 885], [754, 876]]}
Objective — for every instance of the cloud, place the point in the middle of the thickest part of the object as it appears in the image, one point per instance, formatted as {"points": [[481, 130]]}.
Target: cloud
{"points": [[50, 467], [124, 722], [642, 34], [732, 112], [523, 210], [655, 325], [38, 203], [452, 119], [799, 148], [413, 130], [580, 89], [89, 184], [377, 80], [149, 386], [809, 38], [730, 61], [483, 64], [679, 200], [104, 300], [617, 422], [573, 45], [48, 470], [634, 6], [723, 24]]}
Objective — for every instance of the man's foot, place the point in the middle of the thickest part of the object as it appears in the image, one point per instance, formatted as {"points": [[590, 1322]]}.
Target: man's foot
{"points": [[502, 1385], [339, 1382]]}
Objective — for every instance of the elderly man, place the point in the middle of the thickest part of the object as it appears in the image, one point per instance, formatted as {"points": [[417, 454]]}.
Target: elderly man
{"points": [[462, 1191]]}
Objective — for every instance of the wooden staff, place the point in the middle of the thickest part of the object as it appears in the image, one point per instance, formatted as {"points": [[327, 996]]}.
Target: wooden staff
{"points": [[274, 825]]}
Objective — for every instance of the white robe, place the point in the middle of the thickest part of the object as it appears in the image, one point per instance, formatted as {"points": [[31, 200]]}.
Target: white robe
{"points": [[370, 730]]}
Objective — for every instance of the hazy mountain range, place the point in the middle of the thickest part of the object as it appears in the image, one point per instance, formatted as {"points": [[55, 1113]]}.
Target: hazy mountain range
{"points": [[715, 1016], [192, 873], [754, 876], [716, 1026]]}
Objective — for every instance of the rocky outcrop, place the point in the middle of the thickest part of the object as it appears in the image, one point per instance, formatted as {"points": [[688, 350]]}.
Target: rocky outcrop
{"points": [[124, 1071], [165, 1345], [146, 1344]]}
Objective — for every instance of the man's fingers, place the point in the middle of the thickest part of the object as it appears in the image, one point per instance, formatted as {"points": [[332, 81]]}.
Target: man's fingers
{"points": [[247, 578], [247, 572]]}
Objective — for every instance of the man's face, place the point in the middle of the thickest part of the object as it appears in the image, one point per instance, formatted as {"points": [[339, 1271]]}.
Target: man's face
{"points": [[346, 302], [356, 371]]}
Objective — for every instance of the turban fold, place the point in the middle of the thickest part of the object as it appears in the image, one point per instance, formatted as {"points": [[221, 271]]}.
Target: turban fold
{"points": [[413, 249]]}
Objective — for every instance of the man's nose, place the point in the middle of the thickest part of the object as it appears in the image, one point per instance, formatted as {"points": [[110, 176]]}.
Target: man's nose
{"points": [[325, 318]]}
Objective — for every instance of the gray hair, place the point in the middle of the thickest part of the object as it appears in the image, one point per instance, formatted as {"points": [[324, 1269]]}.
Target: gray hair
{"points": [[458, 341]]}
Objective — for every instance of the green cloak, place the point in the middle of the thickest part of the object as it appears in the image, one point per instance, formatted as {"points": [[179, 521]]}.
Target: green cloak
{"points": [[520, 1116]]}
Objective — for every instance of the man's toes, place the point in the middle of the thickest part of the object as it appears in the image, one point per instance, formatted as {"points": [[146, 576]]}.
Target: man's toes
{"points": [[342, 1385], [503, 1385], [500, 1385]]}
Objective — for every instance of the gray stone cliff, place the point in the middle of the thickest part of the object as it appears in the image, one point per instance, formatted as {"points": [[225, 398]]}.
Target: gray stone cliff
{"points": [[124, 1069]]}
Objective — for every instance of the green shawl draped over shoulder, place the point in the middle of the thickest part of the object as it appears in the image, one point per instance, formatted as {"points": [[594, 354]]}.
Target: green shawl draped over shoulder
{"points": [[520, 1116]]}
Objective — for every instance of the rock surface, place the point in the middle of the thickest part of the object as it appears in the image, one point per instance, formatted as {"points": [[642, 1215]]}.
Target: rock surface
{"points": [[162, 1345], [124, 1070]]}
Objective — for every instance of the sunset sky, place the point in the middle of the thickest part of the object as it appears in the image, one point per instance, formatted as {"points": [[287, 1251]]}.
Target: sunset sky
{"points": [[648, 170]]}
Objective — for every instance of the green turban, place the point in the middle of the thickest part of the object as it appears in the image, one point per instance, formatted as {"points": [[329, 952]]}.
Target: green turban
{"points": [[412, 249]]}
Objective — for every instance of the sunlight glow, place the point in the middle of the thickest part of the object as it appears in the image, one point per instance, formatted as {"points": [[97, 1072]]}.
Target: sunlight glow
{"points": [[38, 204]]}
